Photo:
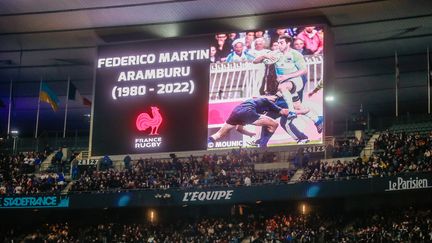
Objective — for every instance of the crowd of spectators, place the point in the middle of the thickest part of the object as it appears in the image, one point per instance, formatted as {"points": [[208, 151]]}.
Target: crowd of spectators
{"points": [[394, 153], [349, 147], [331, 170], [405, 149], [389, 226], [246, 46], [18, 175], [232, 169]]}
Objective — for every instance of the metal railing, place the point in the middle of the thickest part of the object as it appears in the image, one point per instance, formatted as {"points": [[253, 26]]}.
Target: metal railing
{"points": [[76, 140], [241, 80]]}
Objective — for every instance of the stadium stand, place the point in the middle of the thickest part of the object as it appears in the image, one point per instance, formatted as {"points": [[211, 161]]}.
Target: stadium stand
{"points": [[408, 225], [393, 154], [20, 175]]}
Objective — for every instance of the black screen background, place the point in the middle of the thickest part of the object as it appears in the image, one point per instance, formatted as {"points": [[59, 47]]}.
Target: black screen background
{"points": [[184, 125]]}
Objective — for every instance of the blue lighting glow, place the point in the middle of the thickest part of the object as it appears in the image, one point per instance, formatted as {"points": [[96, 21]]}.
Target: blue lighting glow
{"points": [[313, 191], [123, 200]]}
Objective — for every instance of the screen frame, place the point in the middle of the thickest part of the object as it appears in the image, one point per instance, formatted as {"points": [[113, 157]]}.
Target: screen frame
{"points": [[265, 24]]}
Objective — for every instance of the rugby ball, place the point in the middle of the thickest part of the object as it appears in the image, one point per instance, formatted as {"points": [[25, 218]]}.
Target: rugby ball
{"points": [[269, 61]]}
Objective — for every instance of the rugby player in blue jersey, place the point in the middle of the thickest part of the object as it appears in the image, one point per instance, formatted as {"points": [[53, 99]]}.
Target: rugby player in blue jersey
{"points": [[251, 111]]}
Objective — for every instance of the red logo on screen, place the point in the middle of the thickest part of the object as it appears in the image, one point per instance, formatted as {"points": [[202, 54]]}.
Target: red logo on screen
{"points": [[144, 121]]}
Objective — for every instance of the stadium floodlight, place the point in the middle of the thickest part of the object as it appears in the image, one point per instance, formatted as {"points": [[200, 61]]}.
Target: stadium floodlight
{"points": [[304, 208], [14, 134], [152, 215], [329, 98]]}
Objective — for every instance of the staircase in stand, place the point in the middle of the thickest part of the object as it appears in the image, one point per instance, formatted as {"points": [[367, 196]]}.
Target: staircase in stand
{"points": [[46, 163], [369, 148], [84, 155], [68, 187], [297, 175]]}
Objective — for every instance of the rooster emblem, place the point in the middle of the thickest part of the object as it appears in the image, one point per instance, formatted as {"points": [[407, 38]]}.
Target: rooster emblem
{"points": [[144, 121]]}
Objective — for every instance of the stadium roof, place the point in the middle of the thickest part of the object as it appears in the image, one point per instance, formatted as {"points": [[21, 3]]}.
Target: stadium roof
{"points": [[54, 40]]}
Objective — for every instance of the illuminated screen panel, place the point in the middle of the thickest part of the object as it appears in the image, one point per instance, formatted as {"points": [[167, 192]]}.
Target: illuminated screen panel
{"points": [[172, 95], [151, 97], [250, 65]]}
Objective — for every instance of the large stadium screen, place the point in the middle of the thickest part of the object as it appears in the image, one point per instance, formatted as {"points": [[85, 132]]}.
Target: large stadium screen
{"points": [[218, 91]]}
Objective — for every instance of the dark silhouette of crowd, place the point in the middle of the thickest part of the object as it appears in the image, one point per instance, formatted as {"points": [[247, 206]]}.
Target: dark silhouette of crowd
{"points": [[405, 151], [18, 175], [232, 169], [385, 226], [395, 153], [348, 147]]}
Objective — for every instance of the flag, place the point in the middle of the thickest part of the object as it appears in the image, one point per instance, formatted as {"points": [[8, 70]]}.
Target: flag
{"points": [[397, 72], [397, 81], [74, 94], [47, 95], [429, 67], [429, 78]]}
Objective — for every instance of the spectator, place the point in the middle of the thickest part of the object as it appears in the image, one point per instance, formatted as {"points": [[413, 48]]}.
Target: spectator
{"points": [[106, 163], [127, 162], [247, 181], [312, 40], [259, 48], [58, 156], [262, 34], [299, 45], [213, 52], [223, 48], [239, 54]]}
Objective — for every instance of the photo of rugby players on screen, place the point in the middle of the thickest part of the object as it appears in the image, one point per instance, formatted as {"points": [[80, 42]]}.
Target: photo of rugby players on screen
{"points": [[283, 67]]}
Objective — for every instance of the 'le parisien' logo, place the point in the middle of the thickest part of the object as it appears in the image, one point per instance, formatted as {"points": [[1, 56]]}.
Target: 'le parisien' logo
{"points": [[145, 121]]}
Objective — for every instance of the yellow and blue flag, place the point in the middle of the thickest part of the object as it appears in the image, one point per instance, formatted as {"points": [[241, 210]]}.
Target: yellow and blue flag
{"points": [[47, 95]]}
